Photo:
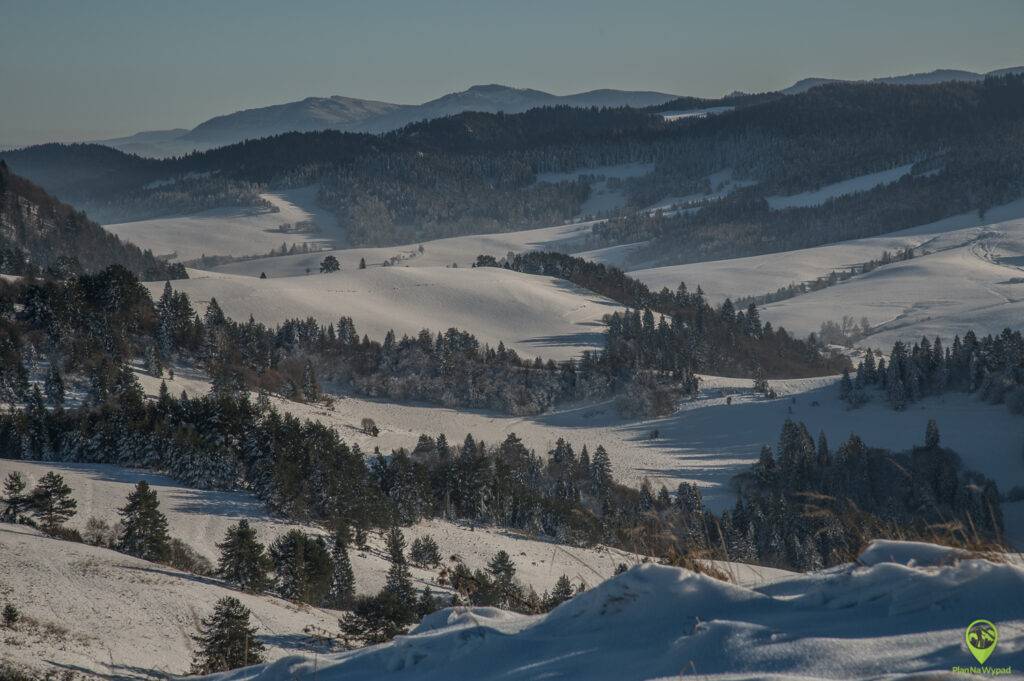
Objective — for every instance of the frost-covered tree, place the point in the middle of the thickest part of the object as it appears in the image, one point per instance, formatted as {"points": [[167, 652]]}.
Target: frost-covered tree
{"points": [[226, 639]]}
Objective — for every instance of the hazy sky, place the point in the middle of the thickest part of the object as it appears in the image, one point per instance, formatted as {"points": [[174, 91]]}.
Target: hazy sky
{"points": [[100, 68]]}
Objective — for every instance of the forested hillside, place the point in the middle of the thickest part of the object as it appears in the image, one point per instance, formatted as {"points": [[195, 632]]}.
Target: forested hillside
{"points": [[477, 172], [38, 232]]}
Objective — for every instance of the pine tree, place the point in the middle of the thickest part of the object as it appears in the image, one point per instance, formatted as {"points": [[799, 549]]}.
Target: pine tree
{"points": [[303, 566], [425, 552], [601, 473], [310, 387], [11, 615], [52, 503], [343, 582], [226, 639], [426, 604], [562, 592], [507, 593], [16, 502], [329, 264], [144, 527], [399, 581], [54, 385], [362, 263], [243, 560], [931, 435]]}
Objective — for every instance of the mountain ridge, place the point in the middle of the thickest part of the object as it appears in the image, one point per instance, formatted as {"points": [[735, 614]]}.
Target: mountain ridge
{"points": [[349, 114]]}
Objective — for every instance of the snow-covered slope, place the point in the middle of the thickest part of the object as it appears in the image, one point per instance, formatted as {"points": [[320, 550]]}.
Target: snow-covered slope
{"points": [[233, 231], [107, 615], [655, 622], [538, 316], [459, 250], [201, 518], [965, 279]]}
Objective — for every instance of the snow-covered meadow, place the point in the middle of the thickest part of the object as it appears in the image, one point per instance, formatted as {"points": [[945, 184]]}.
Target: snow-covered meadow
{"points": [[234, 231]]}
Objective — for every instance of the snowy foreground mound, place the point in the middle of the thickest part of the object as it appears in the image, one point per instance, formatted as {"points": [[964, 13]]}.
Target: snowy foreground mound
{"points": [[904, 614]]}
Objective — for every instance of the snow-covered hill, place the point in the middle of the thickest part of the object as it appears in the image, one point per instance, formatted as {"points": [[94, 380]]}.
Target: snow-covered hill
{"points": [[886, 619], [537, 316], [459, 250], [966, 279], [201, 518], [107, 615], [234, 231]]}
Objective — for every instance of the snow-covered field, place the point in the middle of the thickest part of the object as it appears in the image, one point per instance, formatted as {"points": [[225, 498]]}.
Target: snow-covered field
{"points": [[233, 231], [537, 316], [881, 620], [459, 250]]}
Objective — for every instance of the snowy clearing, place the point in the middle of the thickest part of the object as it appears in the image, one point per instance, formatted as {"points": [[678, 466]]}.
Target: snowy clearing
{"points": [[233, 231], [459, 250], [656, 622], [537, 316], [852, 185]]}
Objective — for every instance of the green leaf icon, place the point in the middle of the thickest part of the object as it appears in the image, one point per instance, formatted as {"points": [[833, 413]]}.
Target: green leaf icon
{"points": [[981, 638]]}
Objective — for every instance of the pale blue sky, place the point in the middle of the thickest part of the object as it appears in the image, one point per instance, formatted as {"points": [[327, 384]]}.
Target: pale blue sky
{"points": [[99, 68]]}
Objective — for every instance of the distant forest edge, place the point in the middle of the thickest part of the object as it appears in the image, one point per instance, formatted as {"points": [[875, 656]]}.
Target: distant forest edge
{"points": [[40, 235], [476, 172]]}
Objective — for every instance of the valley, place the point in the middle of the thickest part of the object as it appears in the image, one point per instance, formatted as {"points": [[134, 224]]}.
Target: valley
{"points": [[502, 383]]}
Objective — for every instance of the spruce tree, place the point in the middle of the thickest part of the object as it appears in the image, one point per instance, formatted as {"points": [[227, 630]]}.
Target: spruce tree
{"points": [[507, 593], [16, 502], [54, 385], [52, 503], [399, 581], [11, 615], [303, 566], [343, 582], [425, 552], [226, 639], [144, 527], [562, 592], [931, 435], [243, 560]]}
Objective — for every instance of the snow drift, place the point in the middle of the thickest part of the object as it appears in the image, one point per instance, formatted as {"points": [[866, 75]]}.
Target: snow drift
{"points": [[856, 621]]}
